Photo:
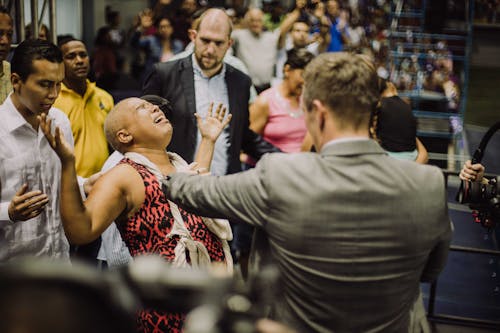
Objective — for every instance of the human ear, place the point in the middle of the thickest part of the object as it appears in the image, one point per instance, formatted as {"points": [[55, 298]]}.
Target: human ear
{"points": [[320, 113], [15, 80], [124, 136], [192, 34], [286, 70]]}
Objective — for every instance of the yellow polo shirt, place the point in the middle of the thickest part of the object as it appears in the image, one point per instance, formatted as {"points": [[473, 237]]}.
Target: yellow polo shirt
{"points": [[86, 115]]}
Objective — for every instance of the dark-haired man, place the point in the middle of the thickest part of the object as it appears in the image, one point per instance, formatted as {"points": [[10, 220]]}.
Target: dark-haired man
{"points": [[30, 222], [86, 106], [6, 32], [192, 83]]}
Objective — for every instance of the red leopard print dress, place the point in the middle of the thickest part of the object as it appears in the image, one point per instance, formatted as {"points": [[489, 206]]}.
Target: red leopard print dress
{"points": [[146, 232]]}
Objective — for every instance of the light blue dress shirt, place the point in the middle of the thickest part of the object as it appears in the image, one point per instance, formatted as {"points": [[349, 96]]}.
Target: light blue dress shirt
{"points": [[208, 90]]}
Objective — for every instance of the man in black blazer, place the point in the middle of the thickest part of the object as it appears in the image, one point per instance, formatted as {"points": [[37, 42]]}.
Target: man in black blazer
{"points": [[191, 84], [176, 81]]}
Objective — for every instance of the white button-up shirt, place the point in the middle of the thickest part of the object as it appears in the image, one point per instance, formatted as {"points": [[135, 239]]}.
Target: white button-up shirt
{"points": [[26, 157]]}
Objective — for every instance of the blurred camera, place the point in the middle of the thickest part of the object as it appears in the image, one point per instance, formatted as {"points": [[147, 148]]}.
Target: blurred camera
{"points": [[40, 295], [483, 199]]}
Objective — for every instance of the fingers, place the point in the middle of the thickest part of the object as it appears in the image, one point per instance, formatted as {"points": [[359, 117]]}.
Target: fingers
{"points": [[58, 136], [210, 109], [194, 169], [228, 119], [92, 179], [30, 198], [27, 206], [198, 119], [201, 171], [221, 112], [89, 182], [34, 205], [471, 172], [46, 125], [21, 190], [193, 166]]}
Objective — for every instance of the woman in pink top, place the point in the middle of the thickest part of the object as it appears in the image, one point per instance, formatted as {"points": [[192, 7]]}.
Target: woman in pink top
{"points": [[276, 113]]}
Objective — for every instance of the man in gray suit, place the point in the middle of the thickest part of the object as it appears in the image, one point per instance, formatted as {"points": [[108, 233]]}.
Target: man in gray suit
{"points": [[353, 231]]}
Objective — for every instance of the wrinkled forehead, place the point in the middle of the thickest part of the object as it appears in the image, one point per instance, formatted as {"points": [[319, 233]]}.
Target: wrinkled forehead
{"points": [[135, 104], [255, 14], [73, 44], [5, 19]]}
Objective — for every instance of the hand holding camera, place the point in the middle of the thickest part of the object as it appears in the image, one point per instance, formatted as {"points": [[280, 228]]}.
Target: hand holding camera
{"points": [[481, 193], [472, 172]]}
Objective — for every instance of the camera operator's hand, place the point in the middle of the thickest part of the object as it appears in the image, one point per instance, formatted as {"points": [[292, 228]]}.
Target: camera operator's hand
{"points": [[472, 172]]}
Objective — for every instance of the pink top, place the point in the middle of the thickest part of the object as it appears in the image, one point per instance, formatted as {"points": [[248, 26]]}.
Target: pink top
{"points": [[285, 126]]}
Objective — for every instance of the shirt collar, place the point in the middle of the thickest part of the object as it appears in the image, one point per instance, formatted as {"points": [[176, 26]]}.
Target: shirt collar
{"points": [[198, 71], [336, 141], [90, 88], [13, 119]]}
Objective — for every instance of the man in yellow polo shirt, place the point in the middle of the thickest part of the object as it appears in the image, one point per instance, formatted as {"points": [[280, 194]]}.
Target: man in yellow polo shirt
{"points": [[86, 106]]}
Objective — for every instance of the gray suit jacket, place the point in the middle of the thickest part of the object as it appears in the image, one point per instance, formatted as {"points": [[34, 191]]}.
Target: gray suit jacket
{"points": [[353, 231]]}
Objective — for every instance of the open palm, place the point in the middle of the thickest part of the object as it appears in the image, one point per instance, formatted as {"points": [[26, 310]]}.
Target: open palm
{"points": [[56, 140], [211, 126]]}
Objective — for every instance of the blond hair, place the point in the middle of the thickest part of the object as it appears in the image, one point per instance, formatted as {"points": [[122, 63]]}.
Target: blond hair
{"points": [[345, 83]]}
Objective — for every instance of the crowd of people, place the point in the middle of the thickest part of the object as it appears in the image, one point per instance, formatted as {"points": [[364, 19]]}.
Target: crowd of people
{"points": [[332, 190]]}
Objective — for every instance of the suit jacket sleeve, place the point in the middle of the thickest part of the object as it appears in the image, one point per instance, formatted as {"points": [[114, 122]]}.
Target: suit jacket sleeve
{"points": [[252, 144], [439, 253], [243, 196], [255, 145]]}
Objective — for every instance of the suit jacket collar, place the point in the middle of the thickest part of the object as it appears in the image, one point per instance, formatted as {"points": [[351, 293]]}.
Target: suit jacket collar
{"points": [[354, 147], [187, 81]]}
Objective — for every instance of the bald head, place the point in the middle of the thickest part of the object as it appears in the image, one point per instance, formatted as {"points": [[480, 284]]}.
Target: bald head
{"points": [[255, 20], [215, 18], [119, 118], [211, 40]]}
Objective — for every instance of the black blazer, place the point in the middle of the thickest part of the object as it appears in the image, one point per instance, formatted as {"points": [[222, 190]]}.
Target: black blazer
{"points": [[174, 80]]}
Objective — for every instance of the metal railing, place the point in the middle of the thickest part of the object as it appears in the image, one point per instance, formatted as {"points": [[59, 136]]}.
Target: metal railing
{"points": [[17, 10]]}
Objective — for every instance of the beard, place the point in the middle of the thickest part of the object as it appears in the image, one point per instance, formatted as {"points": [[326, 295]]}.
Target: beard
{"points": [[208, 63]]}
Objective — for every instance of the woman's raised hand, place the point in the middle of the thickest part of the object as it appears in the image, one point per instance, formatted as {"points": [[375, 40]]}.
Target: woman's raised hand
{"points": [[212, 125]]}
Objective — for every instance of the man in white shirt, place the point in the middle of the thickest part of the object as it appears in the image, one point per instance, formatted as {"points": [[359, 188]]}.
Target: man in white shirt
{"points": [[30, 223], [257, 48]]}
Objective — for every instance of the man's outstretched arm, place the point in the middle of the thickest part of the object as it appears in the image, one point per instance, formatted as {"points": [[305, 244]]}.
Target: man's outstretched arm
{"points": [[243, 196]]}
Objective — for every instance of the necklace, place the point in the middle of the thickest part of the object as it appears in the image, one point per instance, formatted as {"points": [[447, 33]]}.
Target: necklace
{"points": [[285, 106]]}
